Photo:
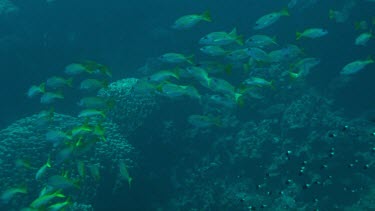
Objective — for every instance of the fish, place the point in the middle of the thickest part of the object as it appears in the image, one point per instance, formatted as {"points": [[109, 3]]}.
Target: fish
{"points": [[239, 54], [91, 112], [80, 130], [42, 170], [56, 137], [9, 193], [95, 171], [93, 67], [285, 54], [61, 182], [124, 173], [257, 81], [260, 41], [311, 33], [302, 67], [50, 97], [269, 19], [200, 74], [81, 168], [213, 50], [259, 55], [203, 121], [59, 205], [174, 90], [222, 38], [164, 75], [45, 199], [75, 69], [91, 84], [59, 82], [222, 101], [36, 90], [355, 66], [222, 86], [363, 38], [188, 21], [174, 58]]}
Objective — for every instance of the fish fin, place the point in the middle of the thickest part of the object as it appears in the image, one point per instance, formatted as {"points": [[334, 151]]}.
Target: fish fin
{"points": [[42, 87], [48, 164], [239, 39], [272, 84], [274, 40], [357, 25], [331, 14], [233, 33], [284, 12], [298, 35], [190, 59], [206, 16], [228, 69], [293, 75], [370, 59], [69, 82]]}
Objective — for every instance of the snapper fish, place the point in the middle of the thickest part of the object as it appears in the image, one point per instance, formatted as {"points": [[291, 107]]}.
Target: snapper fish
{"points": [[9, 193], [188, 21], [45, 199], [222, 38], [42, 170], [164, 75], [311, 33], [91, 113], [203, 121], [50, 97], [213, 50], [60, 205], [356, 66], [91, 84], [174, 58], [58, 82], [256, 81], [363, 38], [302, 67], [75, 69], [259, 55], [260, 41], [239, 54], [200, 74], [57, 137], [174, 90], [269, 19], [36, 90]]}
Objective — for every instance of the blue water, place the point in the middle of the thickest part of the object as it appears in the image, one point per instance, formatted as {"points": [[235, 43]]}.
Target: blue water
{"points": [[40, 39]]}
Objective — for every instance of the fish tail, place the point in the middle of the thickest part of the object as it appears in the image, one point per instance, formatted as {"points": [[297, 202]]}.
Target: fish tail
{"points": [[69, 82], [331, 14], [284, 12], [42, 87], [298, 35], [240, 101], [239, 39], [233, 33], [48, 164], [206, 16], [293, 75], [190, 59], [228, 69]]}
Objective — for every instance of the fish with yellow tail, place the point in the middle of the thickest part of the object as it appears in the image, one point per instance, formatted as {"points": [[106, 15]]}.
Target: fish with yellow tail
{"points": [[188, 21]]}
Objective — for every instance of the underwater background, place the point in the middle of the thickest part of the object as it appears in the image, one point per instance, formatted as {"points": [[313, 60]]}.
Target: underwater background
{"points": [[239, 131]]}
